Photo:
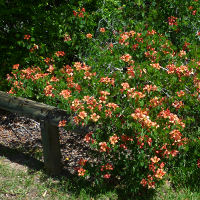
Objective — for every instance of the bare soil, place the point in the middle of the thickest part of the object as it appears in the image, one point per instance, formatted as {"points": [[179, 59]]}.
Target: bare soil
{"points": [[22, 135]]}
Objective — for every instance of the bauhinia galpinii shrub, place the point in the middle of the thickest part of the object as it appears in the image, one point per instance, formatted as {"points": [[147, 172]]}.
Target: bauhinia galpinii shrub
{"points": [[137, 91]]}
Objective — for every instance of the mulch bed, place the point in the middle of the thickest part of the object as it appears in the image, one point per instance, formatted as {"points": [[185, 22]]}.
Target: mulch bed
{"points": [[21, 133]]}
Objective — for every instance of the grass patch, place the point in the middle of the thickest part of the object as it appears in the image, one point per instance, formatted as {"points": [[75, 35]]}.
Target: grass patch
{"points": [[166, 192], [27, 184], [30, 184]]}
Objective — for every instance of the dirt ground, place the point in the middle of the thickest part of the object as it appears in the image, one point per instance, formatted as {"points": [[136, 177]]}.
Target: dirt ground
{"points": [[22, 135]]}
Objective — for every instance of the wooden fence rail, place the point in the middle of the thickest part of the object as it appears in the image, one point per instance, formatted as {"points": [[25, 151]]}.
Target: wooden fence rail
{"points": [[49, 117]]}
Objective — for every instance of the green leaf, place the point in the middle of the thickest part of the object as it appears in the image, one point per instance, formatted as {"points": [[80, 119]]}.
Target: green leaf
{"points": [[32, 39]]}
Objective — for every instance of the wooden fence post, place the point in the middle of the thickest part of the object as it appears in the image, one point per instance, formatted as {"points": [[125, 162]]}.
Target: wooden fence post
{"points": [[49, 118], [51, 147]]}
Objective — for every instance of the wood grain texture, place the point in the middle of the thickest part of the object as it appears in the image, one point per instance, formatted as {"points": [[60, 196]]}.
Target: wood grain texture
{"points": [[31, 109], [49, 118], [51, 147]]}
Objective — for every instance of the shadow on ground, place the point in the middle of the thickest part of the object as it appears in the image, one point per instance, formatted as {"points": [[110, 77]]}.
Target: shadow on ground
{"points": [[75, 185], [14, 155]]}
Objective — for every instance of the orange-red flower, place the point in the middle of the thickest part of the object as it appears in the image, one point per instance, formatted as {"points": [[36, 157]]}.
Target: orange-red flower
{"points": [[190, 7], [67, 37], [194, 12], [62, 123], [126, 138], [50, 69], [88, 137], [82, 114], [152, 32], [182, 53], [174, 152], [108, 113], [198, 163], [89, 35], [143, 118], [81, 172], [135, 94], [27, 37], [162, 164], [106, 167], [143, 182], [81, 14], [160, 173], [107, 176], [82, 162], [66, 93], [156, 65], [112, 105], [76, 119], [177, 104], [152, 167], [94, 117], [126, 57], [173, 118], [103, 146], [123, 146], [123, 38], [149, 88], [74, 13], [60, 53], [180, 93], [54, 79], [156, 101], [16, 66], [76, 105], [172, 21], [48, 91], [131, 72], [104, 93], [114, 139], [125, 86], [102, 30], [107, 80], [155, 159], [11, 91]]}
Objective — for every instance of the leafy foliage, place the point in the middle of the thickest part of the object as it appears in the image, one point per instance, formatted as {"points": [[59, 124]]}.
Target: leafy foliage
{"points": [[127, 69]]}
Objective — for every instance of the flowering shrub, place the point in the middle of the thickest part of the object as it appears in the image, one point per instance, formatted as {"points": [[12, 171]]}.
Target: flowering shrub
{"points": [[137, 91]]}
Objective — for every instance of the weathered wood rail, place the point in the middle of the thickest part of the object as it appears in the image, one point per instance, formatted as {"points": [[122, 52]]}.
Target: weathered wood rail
{"points": [[49, 117]]}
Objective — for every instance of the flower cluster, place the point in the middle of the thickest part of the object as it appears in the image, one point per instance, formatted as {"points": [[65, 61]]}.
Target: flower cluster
{"points": [[173, 118], [143, 118], [136, 108], [27, 37], [172, 21], [67, 37], [79, 13], [60, 53]]}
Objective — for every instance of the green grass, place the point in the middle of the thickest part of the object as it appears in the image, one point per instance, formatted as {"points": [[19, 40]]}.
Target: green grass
{"points": [[180, 193], [27, 184], [23, 183]]}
